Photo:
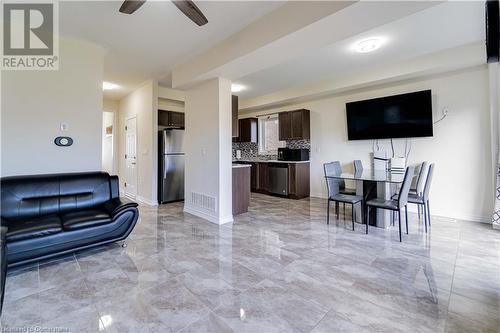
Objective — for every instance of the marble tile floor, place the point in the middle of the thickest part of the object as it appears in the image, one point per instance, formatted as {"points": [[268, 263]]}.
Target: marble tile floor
{"points": [[278, 268]]}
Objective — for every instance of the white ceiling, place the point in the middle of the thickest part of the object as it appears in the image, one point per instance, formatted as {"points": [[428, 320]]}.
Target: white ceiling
{"points": [[150, 42], [440, 27]]}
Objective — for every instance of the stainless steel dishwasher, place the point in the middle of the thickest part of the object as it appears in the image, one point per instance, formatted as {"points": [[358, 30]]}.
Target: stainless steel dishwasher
{"points": [[278, 178]]}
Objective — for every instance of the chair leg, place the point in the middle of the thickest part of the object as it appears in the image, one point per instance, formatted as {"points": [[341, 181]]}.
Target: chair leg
{"points": [[337, 209], [343, 207], [425, 216], [352, 216], [406, 217], [418, 210], [367, 218], [328, 211], [399, 220], [429, 213]]}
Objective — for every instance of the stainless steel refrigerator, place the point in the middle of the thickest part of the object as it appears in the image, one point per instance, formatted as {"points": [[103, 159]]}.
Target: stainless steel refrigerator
{"points": [[171, 165]]}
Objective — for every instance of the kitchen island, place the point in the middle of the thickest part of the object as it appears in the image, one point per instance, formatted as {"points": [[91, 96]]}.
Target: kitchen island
{"points": [[241, 188]]}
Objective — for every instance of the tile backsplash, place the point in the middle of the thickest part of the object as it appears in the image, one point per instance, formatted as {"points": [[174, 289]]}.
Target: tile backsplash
{"points": [[250, 151]]}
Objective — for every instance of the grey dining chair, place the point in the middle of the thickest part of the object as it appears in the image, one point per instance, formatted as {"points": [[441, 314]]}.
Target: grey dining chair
{"points": [[333, 188], [342, 188], [423, 198], [358, 166], [395, 205], [420, 182]]}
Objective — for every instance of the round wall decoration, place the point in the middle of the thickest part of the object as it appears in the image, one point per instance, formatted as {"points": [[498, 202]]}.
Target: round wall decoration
{"points": [[63, 141]]}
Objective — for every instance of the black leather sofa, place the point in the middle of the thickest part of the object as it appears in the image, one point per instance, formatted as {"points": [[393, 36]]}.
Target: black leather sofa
{"points": [[50, 215]]}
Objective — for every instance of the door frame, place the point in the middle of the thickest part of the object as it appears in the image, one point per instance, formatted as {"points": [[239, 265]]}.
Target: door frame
{"points": [[125, 159]]}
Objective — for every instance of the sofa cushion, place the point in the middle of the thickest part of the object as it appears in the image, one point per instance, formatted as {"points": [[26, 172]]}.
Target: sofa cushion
{"points": [[33, 227], [84, 219]]}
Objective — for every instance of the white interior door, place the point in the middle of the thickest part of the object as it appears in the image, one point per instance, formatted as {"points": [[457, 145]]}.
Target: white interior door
{"points": [[131, 157]]}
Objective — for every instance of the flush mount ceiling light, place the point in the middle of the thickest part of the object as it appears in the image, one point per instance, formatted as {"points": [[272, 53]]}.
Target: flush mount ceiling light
{"points": [[237, 88], [368, 45], [109, 86]]}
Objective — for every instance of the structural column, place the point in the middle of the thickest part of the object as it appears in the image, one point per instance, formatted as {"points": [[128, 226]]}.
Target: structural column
{"points": [[208, 172]]}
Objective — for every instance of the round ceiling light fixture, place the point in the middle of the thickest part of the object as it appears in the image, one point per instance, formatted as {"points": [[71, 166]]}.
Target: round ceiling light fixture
{"points": [[109, 86], [237, 88], [368, 45]]}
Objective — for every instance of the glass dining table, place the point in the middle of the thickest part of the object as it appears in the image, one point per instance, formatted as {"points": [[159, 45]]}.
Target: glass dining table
{"points": [[374, 184]]}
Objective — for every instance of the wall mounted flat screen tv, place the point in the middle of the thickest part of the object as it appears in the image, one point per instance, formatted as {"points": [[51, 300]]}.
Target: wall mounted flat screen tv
{"points": [[400, 116]]}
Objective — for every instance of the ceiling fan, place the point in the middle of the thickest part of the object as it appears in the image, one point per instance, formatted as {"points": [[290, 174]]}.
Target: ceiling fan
{"points": [[186, 6]]}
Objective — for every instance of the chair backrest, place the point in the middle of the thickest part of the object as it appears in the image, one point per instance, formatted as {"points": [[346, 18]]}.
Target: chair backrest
{"points": [[332, 184], [358, 166], [338, 168], [405, 187], [428, 181], [424, 167]]}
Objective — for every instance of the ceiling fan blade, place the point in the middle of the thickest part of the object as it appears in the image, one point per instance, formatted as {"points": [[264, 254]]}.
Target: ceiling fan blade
{"points": [[130, 6], [192, 11]]}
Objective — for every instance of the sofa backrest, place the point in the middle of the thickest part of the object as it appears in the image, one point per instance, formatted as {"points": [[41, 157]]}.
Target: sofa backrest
{"points": [[29, 196]]}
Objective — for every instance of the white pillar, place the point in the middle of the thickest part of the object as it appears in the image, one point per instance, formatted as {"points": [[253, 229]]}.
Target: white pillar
{"points": [[208, 162], [494, 84]]}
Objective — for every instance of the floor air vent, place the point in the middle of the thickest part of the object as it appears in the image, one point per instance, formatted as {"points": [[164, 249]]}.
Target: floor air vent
{"points": [[203, 201]]}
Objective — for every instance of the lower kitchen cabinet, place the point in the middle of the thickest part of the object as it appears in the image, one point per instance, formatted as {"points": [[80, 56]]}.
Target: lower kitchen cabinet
{"points": [[298, 180], [262, 174]]}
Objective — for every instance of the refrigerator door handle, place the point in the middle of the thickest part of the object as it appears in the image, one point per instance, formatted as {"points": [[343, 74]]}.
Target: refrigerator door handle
{"points": [[165, 166]]}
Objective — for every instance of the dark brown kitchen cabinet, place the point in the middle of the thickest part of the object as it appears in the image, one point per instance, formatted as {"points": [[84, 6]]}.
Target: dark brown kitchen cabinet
{"points": [[294, 125], [171, 119], [234, 122], [249, 130], [254, 176], [263, 174], [298, 180], [285, 125]]}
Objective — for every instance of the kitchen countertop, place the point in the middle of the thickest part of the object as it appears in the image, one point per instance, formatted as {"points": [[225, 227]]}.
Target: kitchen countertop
{"points": [[268, 161], [241, 165]]}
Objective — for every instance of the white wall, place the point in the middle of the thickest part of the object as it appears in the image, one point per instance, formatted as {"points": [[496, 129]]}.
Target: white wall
{"points": [[142, 103], [35, 103], [107, 142], [463, 182], [208, 168]]}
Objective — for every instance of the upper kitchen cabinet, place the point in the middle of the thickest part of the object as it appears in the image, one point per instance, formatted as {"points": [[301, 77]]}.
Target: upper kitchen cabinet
{"points": [[294, 125], [248, 130], [171, 119], [235, 125]]}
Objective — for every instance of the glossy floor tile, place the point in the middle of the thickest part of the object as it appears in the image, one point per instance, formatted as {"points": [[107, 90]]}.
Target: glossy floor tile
{"points": [[277, 268]]}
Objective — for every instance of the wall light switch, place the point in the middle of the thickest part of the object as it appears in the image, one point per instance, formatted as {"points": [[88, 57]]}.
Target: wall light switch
{"points": [[64, 127]]}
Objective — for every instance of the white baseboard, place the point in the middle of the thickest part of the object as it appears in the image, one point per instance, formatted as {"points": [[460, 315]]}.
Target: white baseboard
{"points": [[146, 201], [207, 216]]}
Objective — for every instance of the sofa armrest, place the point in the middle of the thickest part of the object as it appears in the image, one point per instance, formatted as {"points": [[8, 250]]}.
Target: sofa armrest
{"points": [[117, 205]]}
